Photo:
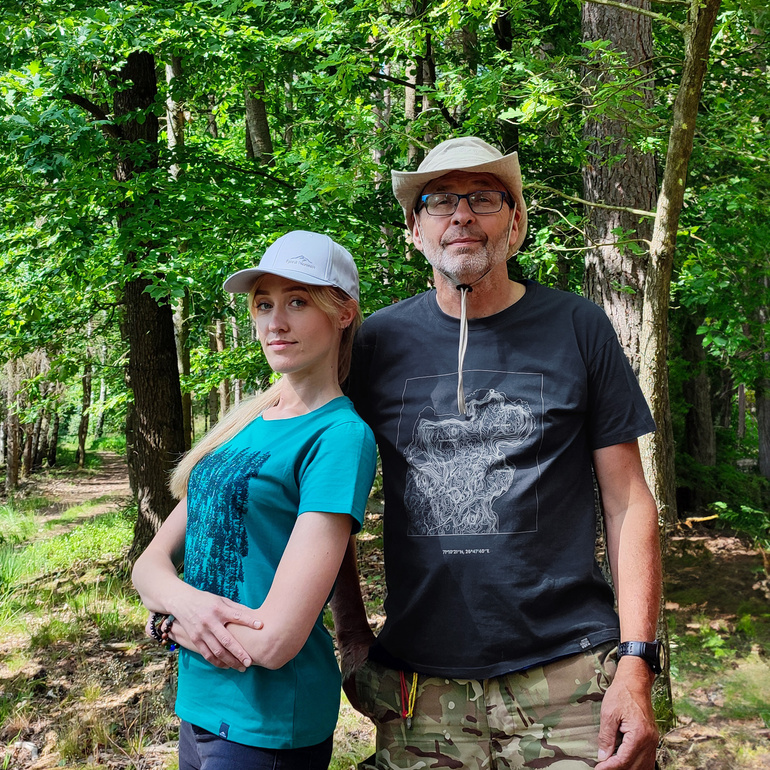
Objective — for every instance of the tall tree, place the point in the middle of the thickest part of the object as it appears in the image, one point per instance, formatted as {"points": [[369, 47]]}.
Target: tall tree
{"points": [[157, 429], [617, 174], [657, 449]]}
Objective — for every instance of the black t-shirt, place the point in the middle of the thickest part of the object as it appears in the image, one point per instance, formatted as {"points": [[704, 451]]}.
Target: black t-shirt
{"points": [[489, 522]]}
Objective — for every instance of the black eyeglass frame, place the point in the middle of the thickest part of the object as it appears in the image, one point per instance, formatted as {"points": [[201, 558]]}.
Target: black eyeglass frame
{"points": [[506, 198]]}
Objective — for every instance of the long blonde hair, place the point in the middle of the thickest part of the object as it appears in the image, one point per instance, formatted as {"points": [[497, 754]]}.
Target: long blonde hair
{"points": [[331, 301]]}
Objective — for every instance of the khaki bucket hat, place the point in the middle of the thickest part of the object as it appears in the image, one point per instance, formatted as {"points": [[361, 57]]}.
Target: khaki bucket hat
{"points": [[466, 153]]}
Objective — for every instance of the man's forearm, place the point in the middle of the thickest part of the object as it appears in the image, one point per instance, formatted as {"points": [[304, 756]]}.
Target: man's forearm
{"points": [[347, 605]]}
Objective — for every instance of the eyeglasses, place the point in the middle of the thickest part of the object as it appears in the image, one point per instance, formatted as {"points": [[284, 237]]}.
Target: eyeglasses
{"points": [[443, 204]]}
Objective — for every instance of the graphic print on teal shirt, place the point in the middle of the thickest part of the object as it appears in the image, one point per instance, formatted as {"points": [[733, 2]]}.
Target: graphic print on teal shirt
{"points": [[216, 542]]}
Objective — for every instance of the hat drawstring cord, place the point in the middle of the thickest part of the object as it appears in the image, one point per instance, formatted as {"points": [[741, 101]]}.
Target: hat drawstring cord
{"points": [[463, 288]]}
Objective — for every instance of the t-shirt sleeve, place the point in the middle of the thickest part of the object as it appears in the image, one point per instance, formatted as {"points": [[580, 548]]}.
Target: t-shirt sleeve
{"points": [[337, 474], [358, 379], [618, 410]]}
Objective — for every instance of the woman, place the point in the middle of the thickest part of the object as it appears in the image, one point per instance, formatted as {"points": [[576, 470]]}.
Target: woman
{"points": [[269, 498]]}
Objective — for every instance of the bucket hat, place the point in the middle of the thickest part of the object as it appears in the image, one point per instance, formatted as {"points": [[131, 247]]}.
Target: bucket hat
{"points": [[465, 153], [303, 256]]}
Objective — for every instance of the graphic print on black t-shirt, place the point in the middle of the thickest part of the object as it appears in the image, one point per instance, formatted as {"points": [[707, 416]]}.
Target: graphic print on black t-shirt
{"points": [[475, 474], [216, 543]]}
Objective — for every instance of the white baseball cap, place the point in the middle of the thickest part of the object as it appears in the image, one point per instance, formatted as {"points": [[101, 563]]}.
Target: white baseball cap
{"points": [[465, 153], [311, 258]]}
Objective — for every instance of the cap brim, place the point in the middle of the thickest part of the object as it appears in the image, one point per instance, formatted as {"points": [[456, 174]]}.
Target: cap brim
{"points": [[243, 281]]}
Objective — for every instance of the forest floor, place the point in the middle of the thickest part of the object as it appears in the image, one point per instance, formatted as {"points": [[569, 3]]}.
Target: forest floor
{"points": [[98, 698]]}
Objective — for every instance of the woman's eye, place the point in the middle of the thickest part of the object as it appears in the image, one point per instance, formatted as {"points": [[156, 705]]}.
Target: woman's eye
{"points": [[298, 302], [262, 306]]}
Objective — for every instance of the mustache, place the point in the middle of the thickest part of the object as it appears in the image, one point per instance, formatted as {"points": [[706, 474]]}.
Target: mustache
{"points": [[463, 232]]}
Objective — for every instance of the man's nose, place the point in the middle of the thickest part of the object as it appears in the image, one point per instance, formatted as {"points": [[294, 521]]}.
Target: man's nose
{"points": [[463, 214]]}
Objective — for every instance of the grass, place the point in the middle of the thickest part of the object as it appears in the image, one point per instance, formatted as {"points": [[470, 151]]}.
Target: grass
{"points": [[720, 635], [75, 667]]}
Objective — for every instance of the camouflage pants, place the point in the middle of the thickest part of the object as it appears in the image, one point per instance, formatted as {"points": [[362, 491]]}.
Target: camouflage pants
{"points": [[544, 717]]}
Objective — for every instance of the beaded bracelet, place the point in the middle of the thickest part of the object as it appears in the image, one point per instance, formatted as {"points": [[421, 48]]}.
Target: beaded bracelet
{"points": [[166, 628], [156, 634]]}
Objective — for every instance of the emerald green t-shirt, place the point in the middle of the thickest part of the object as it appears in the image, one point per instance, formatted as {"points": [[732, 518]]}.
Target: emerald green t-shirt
{"points": [[243, 501]]}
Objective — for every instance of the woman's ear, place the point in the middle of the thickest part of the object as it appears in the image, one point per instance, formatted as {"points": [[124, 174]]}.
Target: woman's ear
{"points": [[346, 316]]}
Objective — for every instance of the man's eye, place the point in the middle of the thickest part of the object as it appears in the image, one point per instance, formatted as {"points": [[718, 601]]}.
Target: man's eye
{"points": [[481, 197]]}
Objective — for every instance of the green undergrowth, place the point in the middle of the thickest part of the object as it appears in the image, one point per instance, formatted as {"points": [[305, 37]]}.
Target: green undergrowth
{"points": [[719, 627]]}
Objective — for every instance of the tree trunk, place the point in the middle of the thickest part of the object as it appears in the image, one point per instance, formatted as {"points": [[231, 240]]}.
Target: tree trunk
{"points": [[501, 27], [237, 389], [85, 406], [175, 116], [29, 433], [13, 438], [42, 448], [101, 414], [3, 439], [740, 430], [213, 397], [182, 330], [36, 434], [657, 449], [700, 438], [724, 400], [762, 395], [762, 391], [256, 123], [224, 385], [211, 119], [155, 429], [617, 174], [158, 426], [53, 440]]}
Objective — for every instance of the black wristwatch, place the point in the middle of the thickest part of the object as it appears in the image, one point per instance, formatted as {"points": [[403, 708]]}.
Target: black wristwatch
{"points": [[649, 652]]}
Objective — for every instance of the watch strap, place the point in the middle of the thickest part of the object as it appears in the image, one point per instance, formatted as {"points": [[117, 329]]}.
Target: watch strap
{"points": [[649, 652]]}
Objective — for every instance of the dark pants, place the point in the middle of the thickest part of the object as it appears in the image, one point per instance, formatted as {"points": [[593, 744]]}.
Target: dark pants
{"points": [[201, 750]]}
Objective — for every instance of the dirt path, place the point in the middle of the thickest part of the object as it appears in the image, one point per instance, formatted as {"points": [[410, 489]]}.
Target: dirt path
{"points": [[104, 489]]}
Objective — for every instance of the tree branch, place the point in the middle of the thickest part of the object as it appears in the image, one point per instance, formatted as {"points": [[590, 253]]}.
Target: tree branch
{"points": [[642, 11], [256, 171], [397, 81], [108, 127], [573, 199], [406, 84]]}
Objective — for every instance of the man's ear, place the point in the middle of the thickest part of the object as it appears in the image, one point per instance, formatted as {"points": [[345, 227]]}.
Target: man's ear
{"points": [[416, 235], [515, 229]]}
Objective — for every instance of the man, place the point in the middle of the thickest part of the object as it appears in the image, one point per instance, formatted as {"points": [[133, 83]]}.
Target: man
{"points": [[495, 405]]}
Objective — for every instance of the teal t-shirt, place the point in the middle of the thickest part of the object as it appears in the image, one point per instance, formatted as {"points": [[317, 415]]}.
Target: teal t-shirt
{"points": [[243, 500]]}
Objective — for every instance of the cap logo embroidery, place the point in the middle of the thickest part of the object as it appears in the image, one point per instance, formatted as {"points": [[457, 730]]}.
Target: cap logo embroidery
{"points": [[301, 260]]}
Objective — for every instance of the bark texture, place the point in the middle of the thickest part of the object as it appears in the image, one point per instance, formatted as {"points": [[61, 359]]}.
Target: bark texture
{"points": [[618, 174], [259, 138], [658, 448], [700, 437], [154, 425]]}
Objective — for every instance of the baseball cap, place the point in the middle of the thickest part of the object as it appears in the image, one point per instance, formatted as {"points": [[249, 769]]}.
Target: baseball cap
{"points": [[303, 256]]}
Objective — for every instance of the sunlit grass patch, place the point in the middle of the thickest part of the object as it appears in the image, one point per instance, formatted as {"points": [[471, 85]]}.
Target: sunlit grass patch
{"points": [[353, 738], [17, 524], [747, 690], [104, 537]]}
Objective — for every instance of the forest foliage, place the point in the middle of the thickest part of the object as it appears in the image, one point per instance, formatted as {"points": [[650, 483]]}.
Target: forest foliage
{"points": [[274, 116]]}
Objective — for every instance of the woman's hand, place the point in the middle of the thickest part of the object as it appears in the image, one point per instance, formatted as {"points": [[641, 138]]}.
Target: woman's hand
{"points": [[201, 625]]}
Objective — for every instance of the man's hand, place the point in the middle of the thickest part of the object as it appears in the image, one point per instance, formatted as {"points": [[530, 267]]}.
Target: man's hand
{"points": [[352, 656], [628, 737], [202, 627]]}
